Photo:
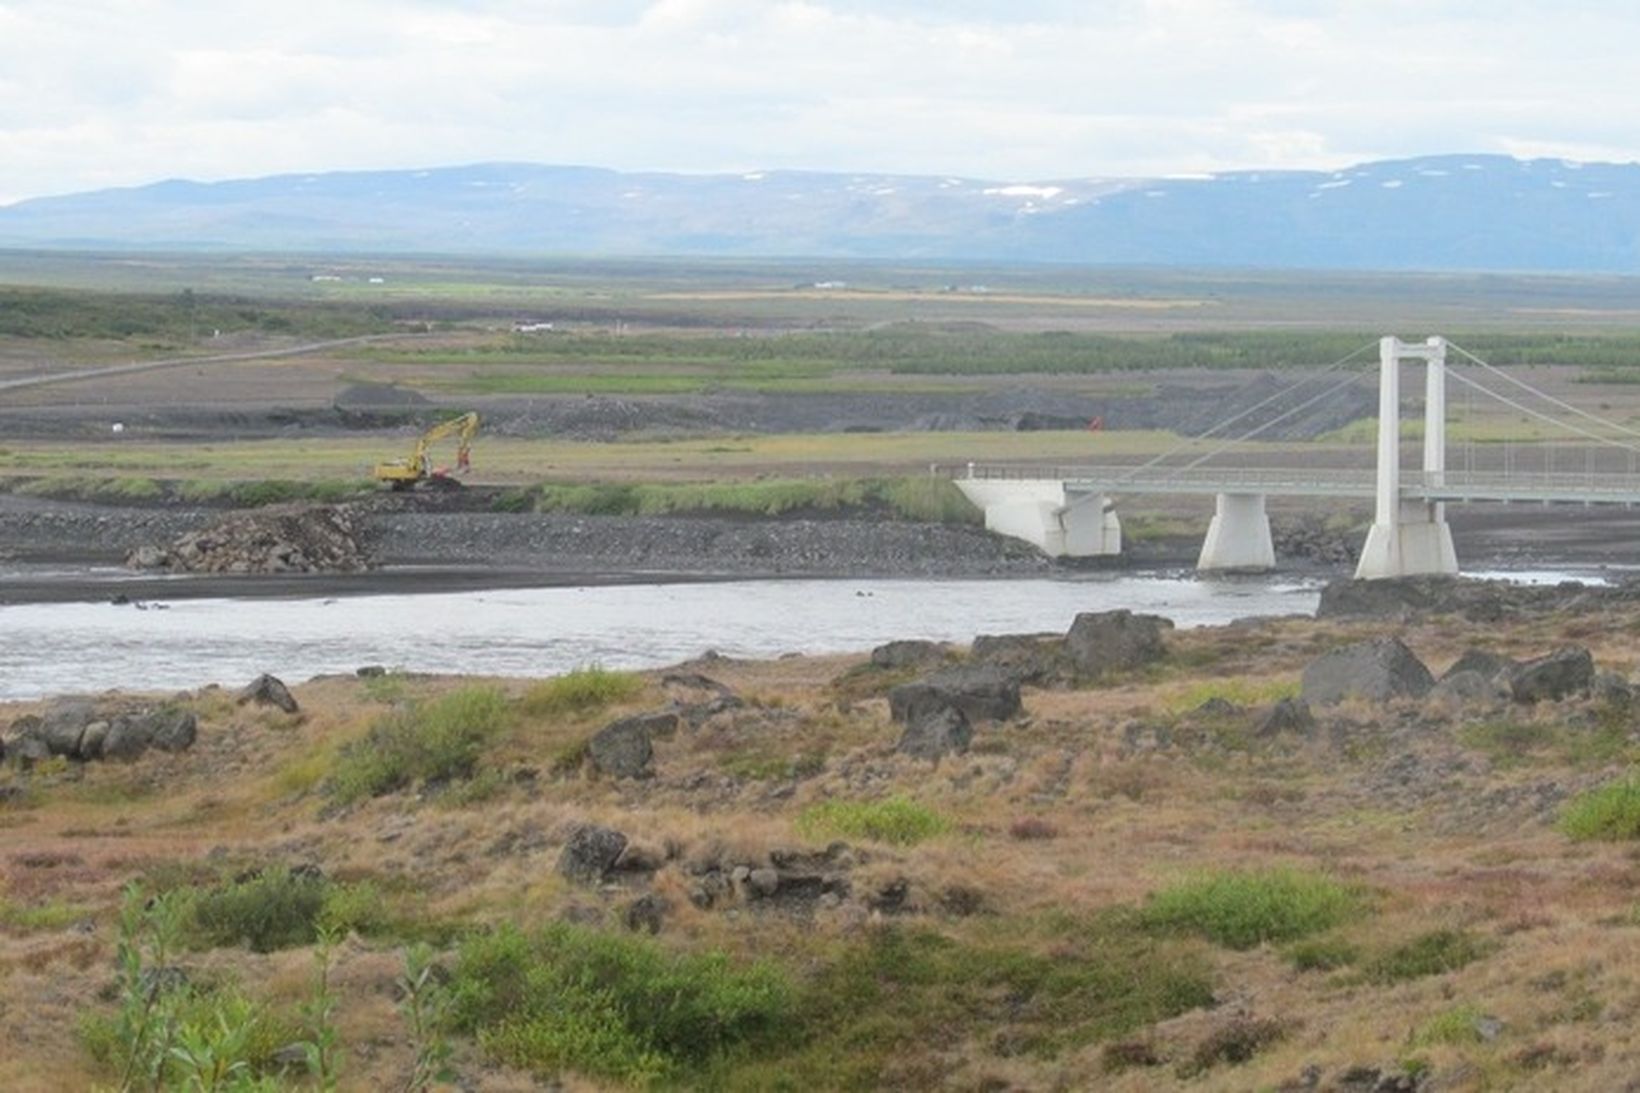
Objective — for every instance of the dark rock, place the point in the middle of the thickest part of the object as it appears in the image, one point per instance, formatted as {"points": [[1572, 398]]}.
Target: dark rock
{"points": [[647, 912], [370, 671], [591, 853], [1099, 643], [91, 741], [1469, 688], [172, 729], [166, 728], [981, 693], [1029, 658], [266, 690], [892, 898], [1613, 690], [1215, 709], [622, 749], [1377, 671], [1287, 715], [63, 723], [899, 655], [936, 732], [763, 883], [1487, 664], [1564, 672], [961, 901]]}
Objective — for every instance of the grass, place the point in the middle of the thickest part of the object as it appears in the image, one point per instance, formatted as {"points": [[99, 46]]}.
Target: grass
{"points": [[1239, 691], [436, 742], [51, 915], [1323, 954], [1242, 909], [1432, 953], [881, 1010], [582, 691], [926, 499], [570, 998], [1511, 743], [1609, 813], [759, 765], [280, 908], [1457, 1025], [897, 820]]}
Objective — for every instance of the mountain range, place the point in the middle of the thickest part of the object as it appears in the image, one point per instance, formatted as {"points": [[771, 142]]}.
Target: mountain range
{"points": [[1455, 212]]}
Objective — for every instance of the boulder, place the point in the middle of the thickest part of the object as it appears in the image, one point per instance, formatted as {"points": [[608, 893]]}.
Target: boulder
{"points": [[935, 733], [1029, 658], [1099, 643], [27, 745], [266, 690], [1470, 688], [91, 741], [899, 655], [982, 693], [1287, 715], [1377, 670], [591, 853], [1613, 690], [647, 912], [1487, 664], [1561, 674], [622, 749], [763, 883], [165, 728], [63, 723]]}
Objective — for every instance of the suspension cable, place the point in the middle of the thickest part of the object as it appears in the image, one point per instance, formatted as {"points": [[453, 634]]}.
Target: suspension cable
{"points": [[1272, 423], [1261, 404], [1512, 404], [1545, 396]]}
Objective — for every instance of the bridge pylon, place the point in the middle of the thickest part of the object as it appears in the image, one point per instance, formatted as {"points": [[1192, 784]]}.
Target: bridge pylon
{"points": [[1409, 537]]}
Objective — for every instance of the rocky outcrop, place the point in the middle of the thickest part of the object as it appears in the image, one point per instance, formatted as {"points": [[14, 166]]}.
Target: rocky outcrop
{"points": [[1477, 601], [1561, 674], [1469, 689], [980, 692], [278, 539], [590, 853], [1101, 643], [624, 748], [1029, 658], [1288, 715], [895, 656], [936, 733], [83, 730], [267, 690], [1488, 665], [1376, 671]]}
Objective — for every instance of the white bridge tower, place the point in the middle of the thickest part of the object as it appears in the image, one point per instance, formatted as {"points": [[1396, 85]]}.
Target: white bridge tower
{"points": [[1409, 537]]}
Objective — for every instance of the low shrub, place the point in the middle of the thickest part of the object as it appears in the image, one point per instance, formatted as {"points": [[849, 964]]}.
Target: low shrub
{"points": [[281, 908], [439, 741], [1433, 953], [1032, 827], [1323, 954], [1610, 812], [1243, 909], [610, 1006], [1235, 1042], [1459, 1025], [581, 691], [898, 820]]}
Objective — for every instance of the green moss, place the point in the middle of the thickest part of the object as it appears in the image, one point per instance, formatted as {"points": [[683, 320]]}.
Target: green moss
{"points": [[898, 820], [1243, 909], [582, 691], [1610, 813]]}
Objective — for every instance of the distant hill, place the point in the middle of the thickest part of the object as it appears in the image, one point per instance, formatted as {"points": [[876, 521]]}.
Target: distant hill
{"points": [[1461, 212]]}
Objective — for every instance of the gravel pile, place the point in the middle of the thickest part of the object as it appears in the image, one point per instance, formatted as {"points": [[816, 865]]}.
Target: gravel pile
{"points": [[282, 539]]}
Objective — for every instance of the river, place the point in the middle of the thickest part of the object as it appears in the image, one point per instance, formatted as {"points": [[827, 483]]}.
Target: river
{"points": [[86, 647]]}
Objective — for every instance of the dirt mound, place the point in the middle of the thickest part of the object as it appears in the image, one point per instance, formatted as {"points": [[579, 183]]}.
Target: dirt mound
{"points": [[283, 539]]}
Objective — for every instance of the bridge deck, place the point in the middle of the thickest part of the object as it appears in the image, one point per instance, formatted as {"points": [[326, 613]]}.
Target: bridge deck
{"points": [[1455, 486]]}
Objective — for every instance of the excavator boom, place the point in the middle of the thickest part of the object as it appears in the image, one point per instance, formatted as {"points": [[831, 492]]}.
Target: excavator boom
{"points": [[401, 473]]}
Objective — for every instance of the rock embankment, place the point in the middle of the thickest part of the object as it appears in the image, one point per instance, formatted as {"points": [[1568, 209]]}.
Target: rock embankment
{"points": [[283, 539]]}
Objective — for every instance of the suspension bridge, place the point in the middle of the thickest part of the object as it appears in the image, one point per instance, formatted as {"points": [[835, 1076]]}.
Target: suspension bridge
{"points": [[1071, 511]]}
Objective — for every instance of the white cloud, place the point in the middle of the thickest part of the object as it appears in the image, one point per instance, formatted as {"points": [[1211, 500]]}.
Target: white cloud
{"points": [[116, 92]]}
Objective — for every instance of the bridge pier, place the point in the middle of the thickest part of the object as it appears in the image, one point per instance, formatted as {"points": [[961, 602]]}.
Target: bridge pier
{"points": [[1238, 538], [1061, 522]]}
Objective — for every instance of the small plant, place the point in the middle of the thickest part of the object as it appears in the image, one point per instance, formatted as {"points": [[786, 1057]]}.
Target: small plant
{"points": [[323, 1052], [581, 691], [1234, 1043], [1434, 953], [1610, 813], [1240, 909], [759, 766], [426, 1009], [898, 820], [438, 742], [281, 908], [1459, 1025], [149, 933], [1323, 954]]}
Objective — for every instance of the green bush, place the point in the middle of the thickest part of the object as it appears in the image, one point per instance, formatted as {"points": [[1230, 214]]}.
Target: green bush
{"points": [[1434, 953], [898, 820], [437, 742], [1610, 812], [1323, 954], [581, 691], [610, 1006], [930, 500], [1243, 909], [280, 908], [1458, 1025]]}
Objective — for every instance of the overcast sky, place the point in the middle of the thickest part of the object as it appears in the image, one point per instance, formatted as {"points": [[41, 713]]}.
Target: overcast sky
{"points": [[98, 93]]}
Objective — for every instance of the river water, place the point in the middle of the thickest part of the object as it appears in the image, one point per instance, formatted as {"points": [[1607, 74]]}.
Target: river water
{"points": [[82, 647]]}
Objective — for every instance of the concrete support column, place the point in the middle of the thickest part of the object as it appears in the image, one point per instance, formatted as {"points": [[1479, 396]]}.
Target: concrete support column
{"points": [[1239, 536], [1408, 538], [1042, 512]]}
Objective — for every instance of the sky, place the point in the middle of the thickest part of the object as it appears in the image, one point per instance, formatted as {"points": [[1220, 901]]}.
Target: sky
{"points": [[98, 93]]}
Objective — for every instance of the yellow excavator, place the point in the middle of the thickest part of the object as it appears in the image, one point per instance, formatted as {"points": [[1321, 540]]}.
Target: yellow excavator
{"points": [[402, 474]]}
